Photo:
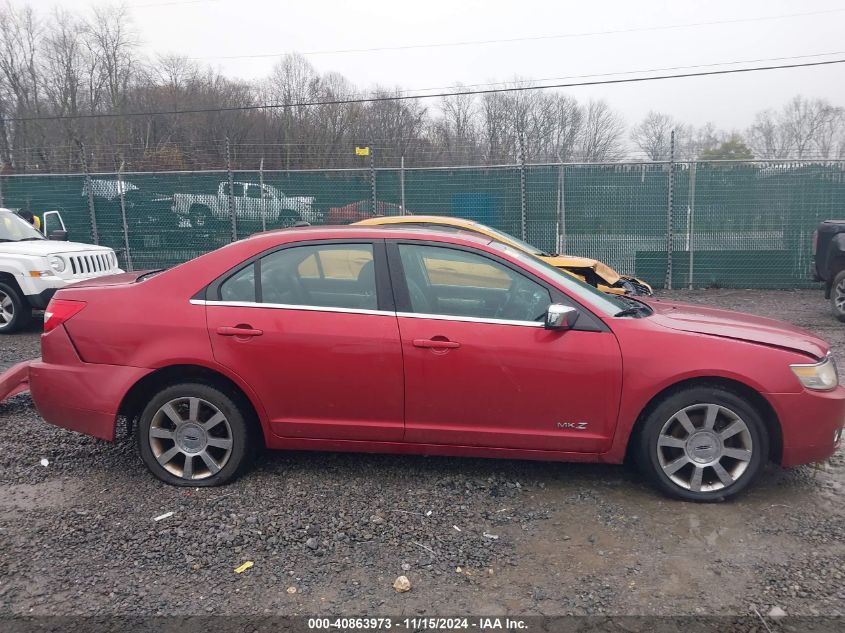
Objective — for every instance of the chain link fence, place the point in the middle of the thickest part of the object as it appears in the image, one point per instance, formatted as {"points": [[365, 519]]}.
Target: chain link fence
{"points": [[731, 224]]}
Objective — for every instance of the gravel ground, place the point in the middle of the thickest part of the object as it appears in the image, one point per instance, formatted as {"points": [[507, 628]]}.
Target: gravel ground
{"points": [[329, 533]]}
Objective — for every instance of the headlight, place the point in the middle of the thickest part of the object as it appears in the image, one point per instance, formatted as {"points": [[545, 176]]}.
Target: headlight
{"points": [[57, 263], [820, 376]]}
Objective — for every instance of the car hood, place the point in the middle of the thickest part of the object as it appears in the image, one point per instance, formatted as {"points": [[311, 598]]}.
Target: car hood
{"points": [[571, 261], [736, 325], [41, 248]]}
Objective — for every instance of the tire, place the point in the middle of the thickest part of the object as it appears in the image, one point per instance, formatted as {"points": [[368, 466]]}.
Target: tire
{"points": [[15, 311], [287, 219], [200, 217], [686, 460], [217, 453], [837, 296]]}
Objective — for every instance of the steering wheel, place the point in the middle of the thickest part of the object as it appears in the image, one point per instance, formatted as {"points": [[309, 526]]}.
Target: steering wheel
{"points": [[522, 299]]}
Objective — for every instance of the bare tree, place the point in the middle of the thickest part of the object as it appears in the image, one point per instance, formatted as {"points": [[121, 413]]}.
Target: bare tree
{"points": [[601, 138], [803, 121], [395, 126], [693, 141], [769, 139], [68, 64], [804, 128], [828, 140], [293, 80], [532, 122], [456, 131], [498, 141], [334, 124], [568, 123], [20, 35], [113, 43], [651, 136]]}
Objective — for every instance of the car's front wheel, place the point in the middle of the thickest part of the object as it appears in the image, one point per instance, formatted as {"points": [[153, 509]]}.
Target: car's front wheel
{"points": [[15, 312], [703, 444], [193, 435], [837, 296]]}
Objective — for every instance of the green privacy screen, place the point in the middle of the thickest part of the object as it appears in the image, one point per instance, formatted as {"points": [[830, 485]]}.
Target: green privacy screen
{"points": [[732, 224]]}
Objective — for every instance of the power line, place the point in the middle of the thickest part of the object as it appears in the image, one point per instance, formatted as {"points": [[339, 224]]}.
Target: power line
{"points": [[530, 38], [625, 72], [302, 104], [168, 4]]}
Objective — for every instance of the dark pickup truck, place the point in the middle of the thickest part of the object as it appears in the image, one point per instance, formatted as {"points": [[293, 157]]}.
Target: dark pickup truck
{"points": [[829, 253]]}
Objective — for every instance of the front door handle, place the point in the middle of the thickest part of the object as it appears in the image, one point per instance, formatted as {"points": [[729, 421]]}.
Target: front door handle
{"points": [[238, 330], [436, 343]]}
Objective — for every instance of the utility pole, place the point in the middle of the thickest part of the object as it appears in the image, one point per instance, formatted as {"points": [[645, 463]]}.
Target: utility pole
{"points": [[373, 176], [263, 197], [401, 185], [523, 202], [89, 190], [669, 214], [561, 209], [231, 190], [122, 193]]}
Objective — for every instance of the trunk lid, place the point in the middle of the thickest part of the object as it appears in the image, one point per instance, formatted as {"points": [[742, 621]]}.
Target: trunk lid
{"points": [[111, 280]]}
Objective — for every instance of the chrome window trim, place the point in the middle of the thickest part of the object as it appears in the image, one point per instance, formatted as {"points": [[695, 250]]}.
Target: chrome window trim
{"points": [[409, 315], [468, 319], [290, 306]]}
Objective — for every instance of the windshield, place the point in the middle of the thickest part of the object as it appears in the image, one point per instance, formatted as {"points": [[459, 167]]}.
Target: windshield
{"points": [[507, 237], [607, 304], [14, 228]]}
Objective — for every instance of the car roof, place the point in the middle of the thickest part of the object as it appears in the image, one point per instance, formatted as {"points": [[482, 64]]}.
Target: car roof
{"points": [[363, 231], [397, 220]]}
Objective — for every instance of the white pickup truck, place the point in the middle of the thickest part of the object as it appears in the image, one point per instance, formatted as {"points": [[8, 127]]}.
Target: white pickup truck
{"points": [[33, 268], [251, 202]]}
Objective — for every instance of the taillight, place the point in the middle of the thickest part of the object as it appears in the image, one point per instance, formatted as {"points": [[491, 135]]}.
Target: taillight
{"points": [[815, 241], [60, 310]]}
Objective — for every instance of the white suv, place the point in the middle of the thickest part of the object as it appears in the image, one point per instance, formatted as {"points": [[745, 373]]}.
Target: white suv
{"points": [[32, 268]]}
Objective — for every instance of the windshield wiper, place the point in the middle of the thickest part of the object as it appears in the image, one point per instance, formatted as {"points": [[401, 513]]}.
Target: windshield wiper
{"points": [[633, 311], [31, 239]]}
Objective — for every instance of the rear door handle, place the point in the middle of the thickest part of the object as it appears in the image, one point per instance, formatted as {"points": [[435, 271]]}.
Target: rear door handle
{"points": [[435, 344], [239, 330]]}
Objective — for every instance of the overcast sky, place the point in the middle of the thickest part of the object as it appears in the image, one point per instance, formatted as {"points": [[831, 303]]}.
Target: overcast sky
{"points": [[213, 29]]}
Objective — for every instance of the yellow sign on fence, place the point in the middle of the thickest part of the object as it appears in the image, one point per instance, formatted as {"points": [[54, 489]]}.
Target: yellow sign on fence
{"points": [[362, 151]]}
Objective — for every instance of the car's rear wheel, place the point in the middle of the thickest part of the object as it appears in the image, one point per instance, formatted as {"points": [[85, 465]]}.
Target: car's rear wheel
{"points": [[703, 444], [837, 296], [15, 312], [193, 435]]}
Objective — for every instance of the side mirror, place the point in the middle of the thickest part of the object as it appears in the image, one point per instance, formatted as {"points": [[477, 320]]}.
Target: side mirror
{"points": [[59, 235], [560, 317]]}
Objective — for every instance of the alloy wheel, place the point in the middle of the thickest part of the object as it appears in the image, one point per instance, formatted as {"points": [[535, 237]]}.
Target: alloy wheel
{"points": [[190, 438], [704, 447], [839, 296], [7, 309]]}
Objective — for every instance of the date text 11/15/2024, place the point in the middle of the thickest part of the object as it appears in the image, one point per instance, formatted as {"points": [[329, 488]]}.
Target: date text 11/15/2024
{"points": [[417, 624]]}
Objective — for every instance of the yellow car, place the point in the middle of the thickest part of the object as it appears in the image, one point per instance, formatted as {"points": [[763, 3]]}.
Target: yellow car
{"points": [[592, 271]]}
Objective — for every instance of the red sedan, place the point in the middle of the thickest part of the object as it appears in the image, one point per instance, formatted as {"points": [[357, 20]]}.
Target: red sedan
{"points": [[419, 341]]}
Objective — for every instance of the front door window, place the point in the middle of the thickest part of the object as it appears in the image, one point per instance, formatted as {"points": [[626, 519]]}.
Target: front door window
{"points": [[448, 281]]}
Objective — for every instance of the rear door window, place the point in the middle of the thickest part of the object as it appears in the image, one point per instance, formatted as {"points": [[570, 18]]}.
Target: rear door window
{"points": [[329, 275]]}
